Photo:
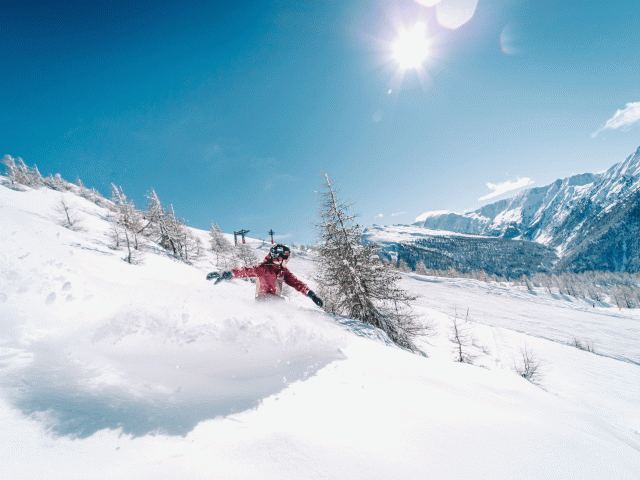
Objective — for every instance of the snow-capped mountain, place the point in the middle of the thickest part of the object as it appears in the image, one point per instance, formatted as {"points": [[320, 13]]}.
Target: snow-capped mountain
{"points": [[592, 220]]}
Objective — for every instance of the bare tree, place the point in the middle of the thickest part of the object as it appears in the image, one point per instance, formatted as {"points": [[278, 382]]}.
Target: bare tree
{"points": [[67, 216], [462, 339], [354, 281], [528, 365]]}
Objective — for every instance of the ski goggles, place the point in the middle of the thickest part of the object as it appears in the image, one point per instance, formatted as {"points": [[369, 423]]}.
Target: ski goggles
{"points": [[280, 252]]}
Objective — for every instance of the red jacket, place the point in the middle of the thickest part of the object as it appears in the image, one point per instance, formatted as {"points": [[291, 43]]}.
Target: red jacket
{"points": [[269, 278]]}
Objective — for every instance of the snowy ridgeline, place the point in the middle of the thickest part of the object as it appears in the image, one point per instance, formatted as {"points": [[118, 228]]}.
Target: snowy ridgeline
{"points": [[590, 220], [116, 370]]}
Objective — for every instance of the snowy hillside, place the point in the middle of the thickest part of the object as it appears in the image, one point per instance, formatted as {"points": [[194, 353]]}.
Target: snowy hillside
{"points": [[591, 219], [441, 250], [111, 370]]}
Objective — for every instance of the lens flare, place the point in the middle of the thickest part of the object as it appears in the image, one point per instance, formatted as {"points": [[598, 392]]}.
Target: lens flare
{"points": [[455, 13], [411, 48]]}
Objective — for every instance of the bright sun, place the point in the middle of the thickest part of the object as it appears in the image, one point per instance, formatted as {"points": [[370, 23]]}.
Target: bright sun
{"points": [[411, 48]]}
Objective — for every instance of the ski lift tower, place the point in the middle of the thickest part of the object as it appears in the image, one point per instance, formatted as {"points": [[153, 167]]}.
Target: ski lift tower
{"points": [[271, 232], [242, 233]]}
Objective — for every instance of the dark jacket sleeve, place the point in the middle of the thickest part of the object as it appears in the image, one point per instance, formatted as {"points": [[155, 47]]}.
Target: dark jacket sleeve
{"points": [[244, 272], [291, 280]]}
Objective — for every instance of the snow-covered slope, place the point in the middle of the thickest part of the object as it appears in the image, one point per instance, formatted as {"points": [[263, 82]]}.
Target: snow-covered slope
{"points": [[441, 250], [591, 219], [111, 370]]}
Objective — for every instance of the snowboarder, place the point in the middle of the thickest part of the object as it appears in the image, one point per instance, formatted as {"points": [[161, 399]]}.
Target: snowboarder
{"points": [[270, 275]]}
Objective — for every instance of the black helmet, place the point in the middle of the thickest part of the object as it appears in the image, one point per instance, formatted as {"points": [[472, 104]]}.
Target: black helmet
{"points": [[280, 250]]}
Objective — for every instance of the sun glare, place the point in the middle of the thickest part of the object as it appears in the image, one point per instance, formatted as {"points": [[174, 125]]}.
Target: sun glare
{"points": [[412, 47]]}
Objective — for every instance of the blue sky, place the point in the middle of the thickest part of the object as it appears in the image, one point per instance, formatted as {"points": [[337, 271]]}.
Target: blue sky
{"points": [[230, 110]]}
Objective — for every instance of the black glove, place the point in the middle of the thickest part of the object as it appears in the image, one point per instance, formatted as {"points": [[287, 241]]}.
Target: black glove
{"points": [[317, 300], [220, 276]]}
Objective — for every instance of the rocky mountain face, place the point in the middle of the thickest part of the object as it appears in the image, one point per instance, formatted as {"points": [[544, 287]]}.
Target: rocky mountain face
{"points": [[592, 221]]}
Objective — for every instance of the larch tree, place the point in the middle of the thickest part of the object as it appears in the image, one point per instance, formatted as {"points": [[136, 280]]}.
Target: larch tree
{"points": [[67, 215], [219, 244], [169, 231], [420, 268], [354, 281], [18, 172], [126, 222], [244, 256]]}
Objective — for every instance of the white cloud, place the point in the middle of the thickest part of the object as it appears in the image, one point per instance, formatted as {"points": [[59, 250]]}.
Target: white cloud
{"points": [[282, 237], [396, 214], [379, 216], [500, 188], [621, 119]]}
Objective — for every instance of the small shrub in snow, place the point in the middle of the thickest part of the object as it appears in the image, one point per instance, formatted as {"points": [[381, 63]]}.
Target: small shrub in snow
{"points": [[582, 345], [528, 365], [462, 338]]}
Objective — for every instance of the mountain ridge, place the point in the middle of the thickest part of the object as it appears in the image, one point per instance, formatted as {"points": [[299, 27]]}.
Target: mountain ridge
{"points": [[573, 215]]}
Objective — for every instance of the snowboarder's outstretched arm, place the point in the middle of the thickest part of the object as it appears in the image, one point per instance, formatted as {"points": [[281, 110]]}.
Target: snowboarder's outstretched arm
{"points": [[316, 299], [220, 276], [242, 272], [291, 280]]}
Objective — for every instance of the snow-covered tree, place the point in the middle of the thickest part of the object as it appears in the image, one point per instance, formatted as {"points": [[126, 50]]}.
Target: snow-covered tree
{"points": [[168, 231], [82, 190], [18, 173], [403, 266], [219, 244], [126, 222], [56, 182], [353, 280], [244, 256], [420, 268]]}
